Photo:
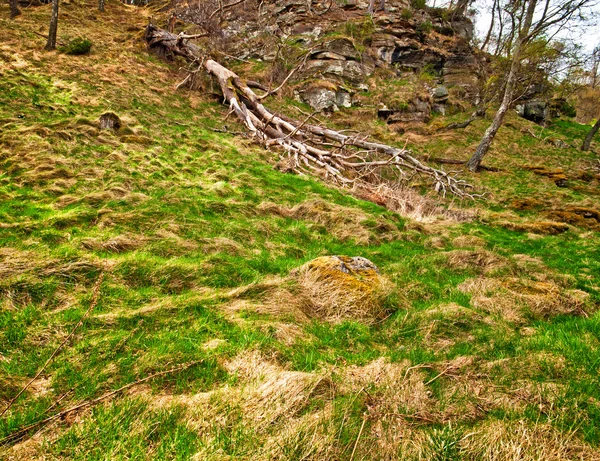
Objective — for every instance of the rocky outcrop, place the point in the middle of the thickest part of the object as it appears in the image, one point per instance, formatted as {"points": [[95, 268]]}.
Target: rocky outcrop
{"points": [[418, 110], [345, 46]]}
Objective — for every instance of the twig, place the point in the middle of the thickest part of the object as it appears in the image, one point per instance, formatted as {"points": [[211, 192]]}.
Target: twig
{"points": [[437, 376], [224, 7], [362, 426], [17, 435], [65, 341], [293, 71]]}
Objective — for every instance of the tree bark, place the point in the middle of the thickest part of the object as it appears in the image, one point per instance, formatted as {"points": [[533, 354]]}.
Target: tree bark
{"points": [[51, 44], [509, 90], [101, 5], [14, 8], [588, 139]]}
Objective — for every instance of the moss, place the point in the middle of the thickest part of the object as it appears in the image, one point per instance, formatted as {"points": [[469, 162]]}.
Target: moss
{"points": [[77, 47]]}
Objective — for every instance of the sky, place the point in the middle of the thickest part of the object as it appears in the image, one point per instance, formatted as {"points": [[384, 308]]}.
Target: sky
{"points": [[589, 38]]}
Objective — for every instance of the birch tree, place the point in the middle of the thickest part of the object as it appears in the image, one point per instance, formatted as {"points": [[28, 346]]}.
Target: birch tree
{"points": [[529, 19]]}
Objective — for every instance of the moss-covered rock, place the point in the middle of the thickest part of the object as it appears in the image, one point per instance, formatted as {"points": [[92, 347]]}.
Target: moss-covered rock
{"points": [[343, 288]]}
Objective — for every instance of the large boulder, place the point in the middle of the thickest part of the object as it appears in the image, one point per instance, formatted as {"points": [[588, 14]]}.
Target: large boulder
{"points": [[341, 288]]}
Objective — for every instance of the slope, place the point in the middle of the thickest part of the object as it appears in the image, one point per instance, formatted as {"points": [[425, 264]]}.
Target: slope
{"points": [[489, 350]]}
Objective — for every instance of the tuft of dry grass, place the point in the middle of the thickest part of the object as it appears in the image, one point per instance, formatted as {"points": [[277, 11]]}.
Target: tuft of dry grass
{"points": [[536, 227], [524, 441], [344, 223], [512, 297], [118, 244], [481, 260], [336, 291], [468, 241]]}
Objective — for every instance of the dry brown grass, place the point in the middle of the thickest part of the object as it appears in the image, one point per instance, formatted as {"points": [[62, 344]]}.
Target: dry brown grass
{"points": [[512, 298], [536, 227], [118, 244], [318, 289], [334, 295], [346, 224], [411, 204], [482, 261], [468, 241], [524, 441]]}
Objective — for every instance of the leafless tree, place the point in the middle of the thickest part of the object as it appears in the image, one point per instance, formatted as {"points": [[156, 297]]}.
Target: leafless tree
{"points": [[347, 159], [530, 19], [101, 5]]}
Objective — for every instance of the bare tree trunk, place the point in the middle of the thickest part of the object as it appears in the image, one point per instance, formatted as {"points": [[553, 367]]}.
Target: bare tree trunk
{"points": [[588, 139], [461, 8], [14, 8], [101, 5], [490, 30], [51, 44], [509, 90]]}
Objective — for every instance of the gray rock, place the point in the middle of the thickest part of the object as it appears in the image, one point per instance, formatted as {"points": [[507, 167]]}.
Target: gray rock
{"points": [[440, 93], [343, 47], [320, 99], [343, 99], [535, 110], [417, 110], [439, 109], [351, 71], [353, 264], [329, 55]]}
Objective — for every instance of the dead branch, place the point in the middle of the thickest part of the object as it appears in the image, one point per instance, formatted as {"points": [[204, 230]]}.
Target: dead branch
{"points": [[309, 148], [15, 436]]}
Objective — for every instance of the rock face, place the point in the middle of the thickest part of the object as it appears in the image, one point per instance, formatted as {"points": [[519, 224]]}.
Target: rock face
{"points": [[325, 97], [417, 110], [341, 288], [345, 46], [535, 110]]}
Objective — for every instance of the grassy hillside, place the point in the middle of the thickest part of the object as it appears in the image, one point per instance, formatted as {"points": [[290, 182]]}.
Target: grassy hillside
{"points": [[490, 350]]}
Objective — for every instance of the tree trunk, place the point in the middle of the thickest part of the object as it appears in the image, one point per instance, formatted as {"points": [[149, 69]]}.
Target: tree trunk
{"points": [[490, 133], [509, 90], [51, 44], [101, 5], [14, 8], [588, 139]]}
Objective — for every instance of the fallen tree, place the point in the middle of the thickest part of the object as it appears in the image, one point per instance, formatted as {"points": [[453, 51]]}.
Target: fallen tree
{"points": [[346, 159]]}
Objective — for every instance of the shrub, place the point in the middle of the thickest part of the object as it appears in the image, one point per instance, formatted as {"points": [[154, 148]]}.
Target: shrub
{"points": [[77, 47], [418, 4], [567, 109], [406, 14], [424, 28]]}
